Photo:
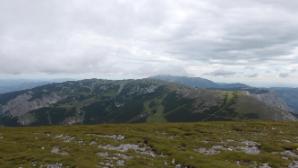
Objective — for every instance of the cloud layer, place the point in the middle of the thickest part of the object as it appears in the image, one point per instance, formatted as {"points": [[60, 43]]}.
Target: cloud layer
{"points": [[248, 40]]}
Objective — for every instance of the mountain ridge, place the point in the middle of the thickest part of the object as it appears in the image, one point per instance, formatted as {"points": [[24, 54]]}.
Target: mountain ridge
{"points": [[96, 101], [285, 97], [199, 82]]}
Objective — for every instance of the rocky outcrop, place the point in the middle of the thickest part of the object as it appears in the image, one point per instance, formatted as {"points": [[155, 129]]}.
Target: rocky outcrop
{"points": [[22, 104], [275, 102], [271, 99]]}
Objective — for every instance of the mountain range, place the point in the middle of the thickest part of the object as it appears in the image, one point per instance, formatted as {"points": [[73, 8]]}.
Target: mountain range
{"points": [[96, 101], [288, 96], [198, 82], [11, 85]]}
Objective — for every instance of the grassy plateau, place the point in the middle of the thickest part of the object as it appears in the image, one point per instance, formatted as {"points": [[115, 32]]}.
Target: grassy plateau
{"points": [[202, 145]]}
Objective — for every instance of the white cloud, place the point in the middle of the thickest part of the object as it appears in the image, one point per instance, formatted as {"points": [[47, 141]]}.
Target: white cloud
{"points": [[249, 39]]}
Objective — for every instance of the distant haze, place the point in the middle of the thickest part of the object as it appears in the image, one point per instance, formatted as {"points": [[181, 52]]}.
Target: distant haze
{"points": [[249, 41]]}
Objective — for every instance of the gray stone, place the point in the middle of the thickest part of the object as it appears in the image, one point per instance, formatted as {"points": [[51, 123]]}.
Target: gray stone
{"points": [[127, 147], [250, 147], [265, 165], [56, 150], [289, 153], [120, 163], [55, 165], [293, 165]]}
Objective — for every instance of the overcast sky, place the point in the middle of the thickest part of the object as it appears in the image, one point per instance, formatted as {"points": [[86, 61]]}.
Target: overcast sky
{"points": [[251, 41]]}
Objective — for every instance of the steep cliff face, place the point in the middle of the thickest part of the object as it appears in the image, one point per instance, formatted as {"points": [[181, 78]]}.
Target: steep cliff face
{"points": [[274, 102], [271, 99], [288, 95], [102, 101], [24, 103]]}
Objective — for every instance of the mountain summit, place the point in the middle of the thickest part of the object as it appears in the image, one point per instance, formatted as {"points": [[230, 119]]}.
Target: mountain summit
{"points": [[198, 82]]}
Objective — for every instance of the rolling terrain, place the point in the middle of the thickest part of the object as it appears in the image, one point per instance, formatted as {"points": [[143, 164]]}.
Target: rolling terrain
{"points": [[166, 132], [287, 98], [173, 145], [97, 101]]}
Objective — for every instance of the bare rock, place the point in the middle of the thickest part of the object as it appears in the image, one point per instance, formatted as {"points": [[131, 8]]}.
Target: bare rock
{"points": [[211, 151], [55, 165], [289, 153], [92, 143], [23, 103], [293, 165], [126, 147], [65, 138], [120, 163], [57, 150], [103, 154], [250, 147], [265, 165], [113, 137]]}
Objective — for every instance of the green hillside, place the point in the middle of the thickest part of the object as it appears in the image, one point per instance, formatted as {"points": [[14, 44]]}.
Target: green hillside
{"points": [[129, 101]]}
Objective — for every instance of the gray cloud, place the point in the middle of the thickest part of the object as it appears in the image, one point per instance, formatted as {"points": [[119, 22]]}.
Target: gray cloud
{"points": [[148, 37], [222, 73], [284, 75], [253, 75]]}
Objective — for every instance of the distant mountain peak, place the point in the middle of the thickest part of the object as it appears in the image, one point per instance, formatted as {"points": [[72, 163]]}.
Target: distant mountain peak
{"points": [[199, 82]]}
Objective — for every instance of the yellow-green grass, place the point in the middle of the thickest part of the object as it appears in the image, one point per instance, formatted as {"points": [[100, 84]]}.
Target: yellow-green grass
{"points": [[172, 144]]}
